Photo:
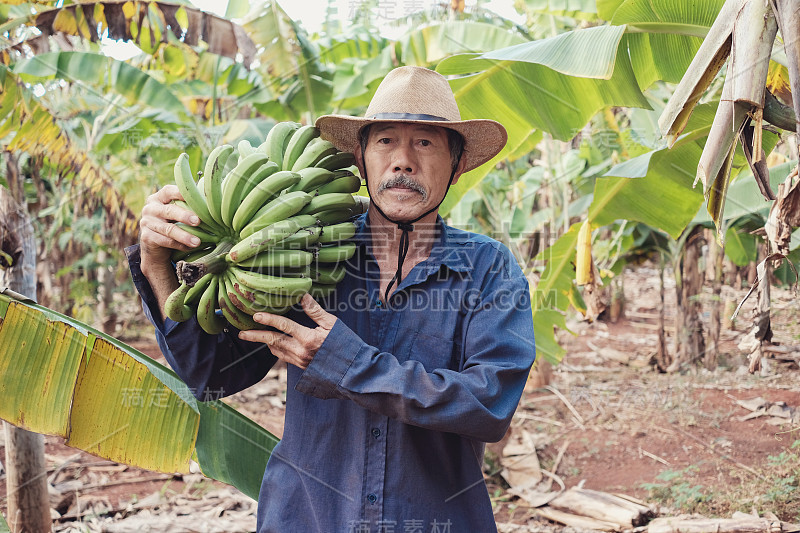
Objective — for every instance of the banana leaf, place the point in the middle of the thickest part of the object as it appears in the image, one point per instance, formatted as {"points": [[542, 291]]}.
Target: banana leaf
{"points": [[663, 36], [578, 9], [526, 95], [555, 293], [741, 247], [61, 377], [656, 188], [744, 197], [148, 24], [97, 70]]}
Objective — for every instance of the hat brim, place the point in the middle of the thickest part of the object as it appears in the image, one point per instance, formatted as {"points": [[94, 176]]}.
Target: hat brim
{"points": [[483, 138]]}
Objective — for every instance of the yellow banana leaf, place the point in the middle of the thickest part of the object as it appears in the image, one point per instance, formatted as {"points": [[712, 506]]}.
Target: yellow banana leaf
{"points": [[61, 377]]}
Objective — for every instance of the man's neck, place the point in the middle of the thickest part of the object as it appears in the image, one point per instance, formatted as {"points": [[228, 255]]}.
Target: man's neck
{"points": [[386, 242]]}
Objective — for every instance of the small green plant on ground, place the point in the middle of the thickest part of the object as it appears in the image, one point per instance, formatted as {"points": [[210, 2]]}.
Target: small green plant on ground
{"points": [[675, 491], [780, 491], [775, 491]]}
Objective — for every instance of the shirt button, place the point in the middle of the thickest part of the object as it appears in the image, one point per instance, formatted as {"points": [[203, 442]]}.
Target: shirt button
{"points": [[372, 498], [378, 303], [376, 432]]}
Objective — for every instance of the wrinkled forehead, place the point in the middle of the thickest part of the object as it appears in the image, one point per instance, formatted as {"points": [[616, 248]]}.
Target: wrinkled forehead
{"points": [[413, 128]]}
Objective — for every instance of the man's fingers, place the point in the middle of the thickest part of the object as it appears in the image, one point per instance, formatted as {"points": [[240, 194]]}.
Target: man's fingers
{"points": [[182, 236], [179, 214], [290, 327], [316, 313], [158, 232], [168, 193], [284, 347], [154, 208]]}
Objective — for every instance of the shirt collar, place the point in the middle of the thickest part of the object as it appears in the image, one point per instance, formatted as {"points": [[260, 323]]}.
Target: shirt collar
{"points": [[450, 249]]}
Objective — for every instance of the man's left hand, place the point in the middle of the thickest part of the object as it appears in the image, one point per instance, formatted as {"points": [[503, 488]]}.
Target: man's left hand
{"points": [[293, 343]]}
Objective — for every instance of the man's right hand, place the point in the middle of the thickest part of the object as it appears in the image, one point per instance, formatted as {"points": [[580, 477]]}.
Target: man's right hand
{"points": [[159, 236]]}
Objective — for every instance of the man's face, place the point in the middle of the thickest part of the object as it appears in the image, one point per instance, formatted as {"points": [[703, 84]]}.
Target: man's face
{"points": [[408, 166]]}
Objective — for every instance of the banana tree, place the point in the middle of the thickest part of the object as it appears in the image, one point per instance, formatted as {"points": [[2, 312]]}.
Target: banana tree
{"points": [[109, 399], [153, 26], [745, 31]]}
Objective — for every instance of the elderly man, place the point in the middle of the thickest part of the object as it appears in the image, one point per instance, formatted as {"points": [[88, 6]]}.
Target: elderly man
{"points": [[420, 357]]}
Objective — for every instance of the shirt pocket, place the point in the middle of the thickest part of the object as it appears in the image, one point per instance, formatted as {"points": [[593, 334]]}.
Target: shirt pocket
{"points": [[434, 352]]}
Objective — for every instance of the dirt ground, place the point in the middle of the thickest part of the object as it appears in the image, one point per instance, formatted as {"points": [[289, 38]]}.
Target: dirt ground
{"points": [[606, 421]]}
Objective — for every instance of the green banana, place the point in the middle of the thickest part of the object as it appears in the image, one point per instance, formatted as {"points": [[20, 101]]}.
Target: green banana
{"points": [[203, 226], [288, 272], [315, 151], [197, 290], [192, 255], [175, 307], [242, 304], [245, 149], [278, 258], [265, 303], [337, 161], [334, 216], [336, 253], [206, 308], [233, 314], [303, 238], [271, 284], [238, 183], [324, 202], [337, 232], [312, 178], [328, 275], [305, 221], [191, 194], [297, 144], [203, 235], [212, 179], [348, 183], [277, 140], [264, 300], [280, 208], [264, 191], [262, 240]]}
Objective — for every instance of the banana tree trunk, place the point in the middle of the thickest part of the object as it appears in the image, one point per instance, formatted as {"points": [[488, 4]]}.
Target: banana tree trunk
{"points": [[689, 340], [26, 480], [663, 356], [715, 257]]}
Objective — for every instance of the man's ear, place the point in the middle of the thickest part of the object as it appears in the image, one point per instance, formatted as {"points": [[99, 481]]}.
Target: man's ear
{"points": [[359, 161], [459, 169]]}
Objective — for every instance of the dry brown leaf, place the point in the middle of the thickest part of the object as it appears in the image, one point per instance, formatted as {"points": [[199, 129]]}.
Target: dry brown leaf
{"points": [[784, 215]]}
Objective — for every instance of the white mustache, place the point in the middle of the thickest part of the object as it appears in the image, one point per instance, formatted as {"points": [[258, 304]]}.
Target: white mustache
{"points": [[404, 181]]}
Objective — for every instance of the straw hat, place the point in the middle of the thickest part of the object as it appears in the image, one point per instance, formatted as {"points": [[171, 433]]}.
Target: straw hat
{"points": [[422, 96]]}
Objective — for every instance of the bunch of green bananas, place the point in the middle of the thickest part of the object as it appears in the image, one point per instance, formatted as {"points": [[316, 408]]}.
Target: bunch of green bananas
{"points": [[274, 225]]}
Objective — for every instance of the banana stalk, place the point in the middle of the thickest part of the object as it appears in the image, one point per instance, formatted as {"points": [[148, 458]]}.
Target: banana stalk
{"points": [[213, 263]]}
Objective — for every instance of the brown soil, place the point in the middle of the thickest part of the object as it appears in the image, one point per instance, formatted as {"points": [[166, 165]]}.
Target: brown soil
{"points": [[617, 425]]}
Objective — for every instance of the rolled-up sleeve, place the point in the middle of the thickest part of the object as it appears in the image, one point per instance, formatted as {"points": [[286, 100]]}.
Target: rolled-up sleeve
{"points": [[212, 366]]}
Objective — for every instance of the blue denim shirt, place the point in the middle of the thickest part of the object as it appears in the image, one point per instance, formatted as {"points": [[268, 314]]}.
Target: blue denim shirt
{"points": [[385, 429]]}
